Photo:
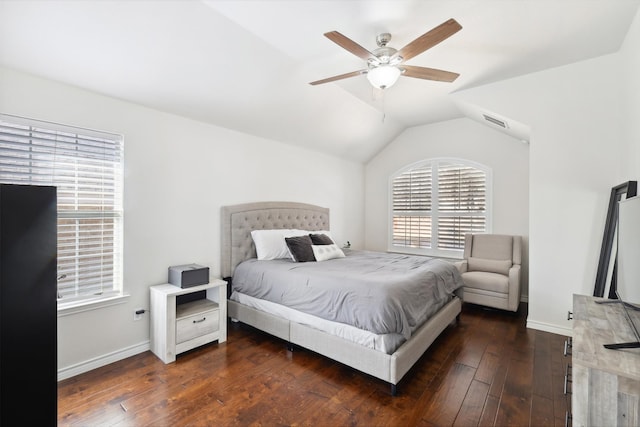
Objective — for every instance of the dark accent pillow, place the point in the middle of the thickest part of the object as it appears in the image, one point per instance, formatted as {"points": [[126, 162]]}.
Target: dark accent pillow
{"points": [[321, 239], [300, 248]]}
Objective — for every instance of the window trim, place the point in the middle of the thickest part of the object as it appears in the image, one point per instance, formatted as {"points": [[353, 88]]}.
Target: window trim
{"points": [[89, 304], [435, 252]]}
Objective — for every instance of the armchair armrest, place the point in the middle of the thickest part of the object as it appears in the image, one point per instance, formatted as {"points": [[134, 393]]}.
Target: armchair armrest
{"points": [[462, 266], [514, 287]]}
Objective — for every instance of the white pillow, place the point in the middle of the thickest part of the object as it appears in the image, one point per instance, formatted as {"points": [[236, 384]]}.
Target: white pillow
{"points": [[325, 252], [270, 244]]}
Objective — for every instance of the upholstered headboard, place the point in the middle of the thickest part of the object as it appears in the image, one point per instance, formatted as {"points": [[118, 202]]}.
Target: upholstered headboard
{"points": [[239, 220]]}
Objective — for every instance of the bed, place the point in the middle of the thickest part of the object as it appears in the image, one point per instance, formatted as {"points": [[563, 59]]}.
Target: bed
{"points": [[385, 354]]}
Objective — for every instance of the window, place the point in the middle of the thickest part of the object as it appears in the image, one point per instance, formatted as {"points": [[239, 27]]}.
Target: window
{"points": [[435, 203], [86, 168]]}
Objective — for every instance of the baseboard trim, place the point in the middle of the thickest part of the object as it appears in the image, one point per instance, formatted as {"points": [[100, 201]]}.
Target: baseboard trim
{"points": [[546, 327], [88, 365]]}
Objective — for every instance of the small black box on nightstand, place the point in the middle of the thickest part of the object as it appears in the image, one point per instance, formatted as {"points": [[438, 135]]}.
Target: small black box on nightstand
{"points": [[188, 275]]}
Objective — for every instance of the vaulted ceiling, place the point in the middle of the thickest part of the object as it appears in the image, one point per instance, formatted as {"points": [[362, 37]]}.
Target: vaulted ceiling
{"points": [[246, 65]]}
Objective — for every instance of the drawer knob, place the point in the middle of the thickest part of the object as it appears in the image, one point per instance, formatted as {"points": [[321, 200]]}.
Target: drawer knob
{"points": [[200, 321]]}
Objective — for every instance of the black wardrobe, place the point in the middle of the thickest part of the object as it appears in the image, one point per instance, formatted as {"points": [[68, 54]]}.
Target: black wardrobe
{"points": [[28, 314]]}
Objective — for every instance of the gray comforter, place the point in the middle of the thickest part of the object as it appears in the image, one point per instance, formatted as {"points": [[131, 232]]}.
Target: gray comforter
{"points": [[375, 291]]}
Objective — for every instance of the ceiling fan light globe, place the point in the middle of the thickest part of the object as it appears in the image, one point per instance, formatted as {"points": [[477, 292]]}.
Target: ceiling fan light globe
{"points": [[383, 76]]}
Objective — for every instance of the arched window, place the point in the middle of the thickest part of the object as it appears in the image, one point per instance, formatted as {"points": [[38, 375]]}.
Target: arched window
{"points": [[435, 202]]}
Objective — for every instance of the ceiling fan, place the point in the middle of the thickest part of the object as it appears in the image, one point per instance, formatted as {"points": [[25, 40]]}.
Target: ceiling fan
{"points": [[386, 64]]}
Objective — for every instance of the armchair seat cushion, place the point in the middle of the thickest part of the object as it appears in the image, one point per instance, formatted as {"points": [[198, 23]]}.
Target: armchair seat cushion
{"points": [[493, 282]]}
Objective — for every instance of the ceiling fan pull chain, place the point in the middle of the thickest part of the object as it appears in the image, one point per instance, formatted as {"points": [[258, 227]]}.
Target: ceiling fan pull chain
{"points": [[377, 96]]}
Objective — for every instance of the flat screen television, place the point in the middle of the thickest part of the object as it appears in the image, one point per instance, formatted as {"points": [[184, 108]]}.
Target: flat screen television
{"points": [[627, 270]]}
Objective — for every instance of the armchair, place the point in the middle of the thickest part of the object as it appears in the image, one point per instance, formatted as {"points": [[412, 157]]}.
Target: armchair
{"points": [[491, 270]]}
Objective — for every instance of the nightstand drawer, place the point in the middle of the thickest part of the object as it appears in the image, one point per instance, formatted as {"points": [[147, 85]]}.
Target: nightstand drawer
{"points": [[197, 325]]}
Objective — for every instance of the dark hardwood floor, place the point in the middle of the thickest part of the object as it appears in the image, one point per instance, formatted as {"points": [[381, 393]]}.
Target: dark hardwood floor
{"points": [[487, 370]]}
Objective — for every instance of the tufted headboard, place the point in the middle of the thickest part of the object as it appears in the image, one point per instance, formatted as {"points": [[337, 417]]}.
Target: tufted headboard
{"points": [[239, 220]]}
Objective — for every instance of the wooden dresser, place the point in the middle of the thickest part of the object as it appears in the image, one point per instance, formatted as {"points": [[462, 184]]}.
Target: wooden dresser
{"points": [[605, 383]]}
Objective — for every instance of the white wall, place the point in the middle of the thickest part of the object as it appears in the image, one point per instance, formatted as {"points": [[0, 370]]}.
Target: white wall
{"points": [[630, 69], [462, 138], [178, 173], [577, 156], [580, 148]]}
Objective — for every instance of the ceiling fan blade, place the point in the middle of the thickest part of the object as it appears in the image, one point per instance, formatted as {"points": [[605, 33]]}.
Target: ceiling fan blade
{"points": [[340, 77], [348, 44], [429, 39], [428, 73]]}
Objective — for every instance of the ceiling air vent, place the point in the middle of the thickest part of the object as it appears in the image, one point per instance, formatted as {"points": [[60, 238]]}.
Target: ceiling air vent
{"points": [[495, 121]]}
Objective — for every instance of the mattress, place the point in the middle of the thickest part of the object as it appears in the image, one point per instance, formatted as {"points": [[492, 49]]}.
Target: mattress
{"points": [[378, 292]]}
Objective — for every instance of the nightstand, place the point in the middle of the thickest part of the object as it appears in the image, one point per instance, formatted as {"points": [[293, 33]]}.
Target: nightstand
{"points": [[177, 327]]}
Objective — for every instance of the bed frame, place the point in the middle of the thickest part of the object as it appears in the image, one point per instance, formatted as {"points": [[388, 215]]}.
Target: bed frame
{"points": [[237, 245]]}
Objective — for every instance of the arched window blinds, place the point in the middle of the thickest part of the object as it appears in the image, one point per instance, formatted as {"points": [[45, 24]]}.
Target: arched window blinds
{"points": [[436, 202]]}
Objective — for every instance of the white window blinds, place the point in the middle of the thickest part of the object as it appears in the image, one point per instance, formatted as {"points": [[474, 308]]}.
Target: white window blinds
{"points": [[436, 202], [86, 168], [461, 203], [412, 208]]}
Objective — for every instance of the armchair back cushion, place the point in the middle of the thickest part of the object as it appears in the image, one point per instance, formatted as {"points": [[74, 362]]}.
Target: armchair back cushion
{"points": [[493, 246]]}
